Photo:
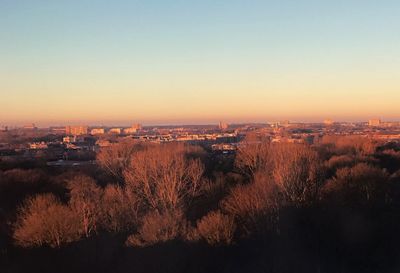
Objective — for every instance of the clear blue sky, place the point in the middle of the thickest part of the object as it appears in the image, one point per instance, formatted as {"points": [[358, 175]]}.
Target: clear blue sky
{"points": [[198, 61]]}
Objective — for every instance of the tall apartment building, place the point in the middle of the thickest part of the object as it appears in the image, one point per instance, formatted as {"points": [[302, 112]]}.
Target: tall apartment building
{"points": [[223, 125], [374, 122], [76, 130], [137, 126], [285, 123], [328, 122]]}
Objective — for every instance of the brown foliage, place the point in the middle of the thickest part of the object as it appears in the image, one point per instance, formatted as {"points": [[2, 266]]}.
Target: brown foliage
{"points": [[43, 220], [216, 228]]}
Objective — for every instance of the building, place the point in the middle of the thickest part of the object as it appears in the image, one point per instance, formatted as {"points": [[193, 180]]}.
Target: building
{"points": [[391, 124], [97, 131], [328, 122], [133, 129], [30, 126], [115, 131], [58, 130], [223, 125], [73, 139], [374, 122], [38, 145], [284, 123], [129, 131], [137, 126], [76, 130]]}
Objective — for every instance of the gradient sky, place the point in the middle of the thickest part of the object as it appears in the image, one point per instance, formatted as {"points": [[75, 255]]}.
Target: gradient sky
{"points": [[160, 61]]}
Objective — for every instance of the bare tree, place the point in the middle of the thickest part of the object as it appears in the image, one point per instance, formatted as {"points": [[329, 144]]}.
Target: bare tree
{"points": [[85, 201], [255, 205], [116, 158], [357, 145], [163, 177], [120, 209], [253, 157], [294, 168], [297, 171], [360, 184], [43, 220]]}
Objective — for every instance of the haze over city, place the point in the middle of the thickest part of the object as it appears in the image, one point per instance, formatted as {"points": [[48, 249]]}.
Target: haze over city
{"points": [[198, 62]]}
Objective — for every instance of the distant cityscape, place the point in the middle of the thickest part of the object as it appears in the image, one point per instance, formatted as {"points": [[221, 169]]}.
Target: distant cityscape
{"points": [[77, 145]]}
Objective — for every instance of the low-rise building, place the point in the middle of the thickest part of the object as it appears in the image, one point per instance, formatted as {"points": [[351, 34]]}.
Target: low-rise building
{"points": [[97, 131], [73, 139], [129, 131], [38, 145], [115, 131]]}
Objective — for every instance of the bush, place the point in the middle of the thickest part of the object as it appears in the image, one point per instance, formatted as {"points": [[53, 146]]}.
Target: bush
{"points": [[341, 161], [216, 228], [158, 228]]}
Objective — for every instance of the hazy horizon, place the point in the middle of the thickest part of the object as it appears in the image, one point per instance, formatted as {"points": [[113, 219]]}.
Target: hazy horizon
{"points": [[191, 62], [116, 123]]}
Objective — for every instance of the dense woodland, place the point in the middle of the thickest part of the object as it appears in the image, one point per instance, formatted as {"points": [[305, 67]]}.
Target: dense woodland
{"points": [[272, 207]]}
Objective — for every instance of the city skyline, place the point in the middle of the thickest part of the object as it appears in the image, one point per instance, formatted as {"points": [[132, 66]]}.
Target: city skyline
{"points": [[130, 123], [180, 62]]}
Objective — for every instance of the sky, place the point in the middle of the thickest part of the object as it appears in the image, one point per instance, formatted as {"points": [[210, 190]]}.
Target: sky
{"points": [[183, 61]]}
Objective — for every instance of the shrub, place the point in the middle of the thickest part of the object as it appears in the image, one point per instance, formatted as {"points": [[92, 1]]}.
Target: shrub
{"points": [[158, 228], [341, 161], [216, 228]]}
